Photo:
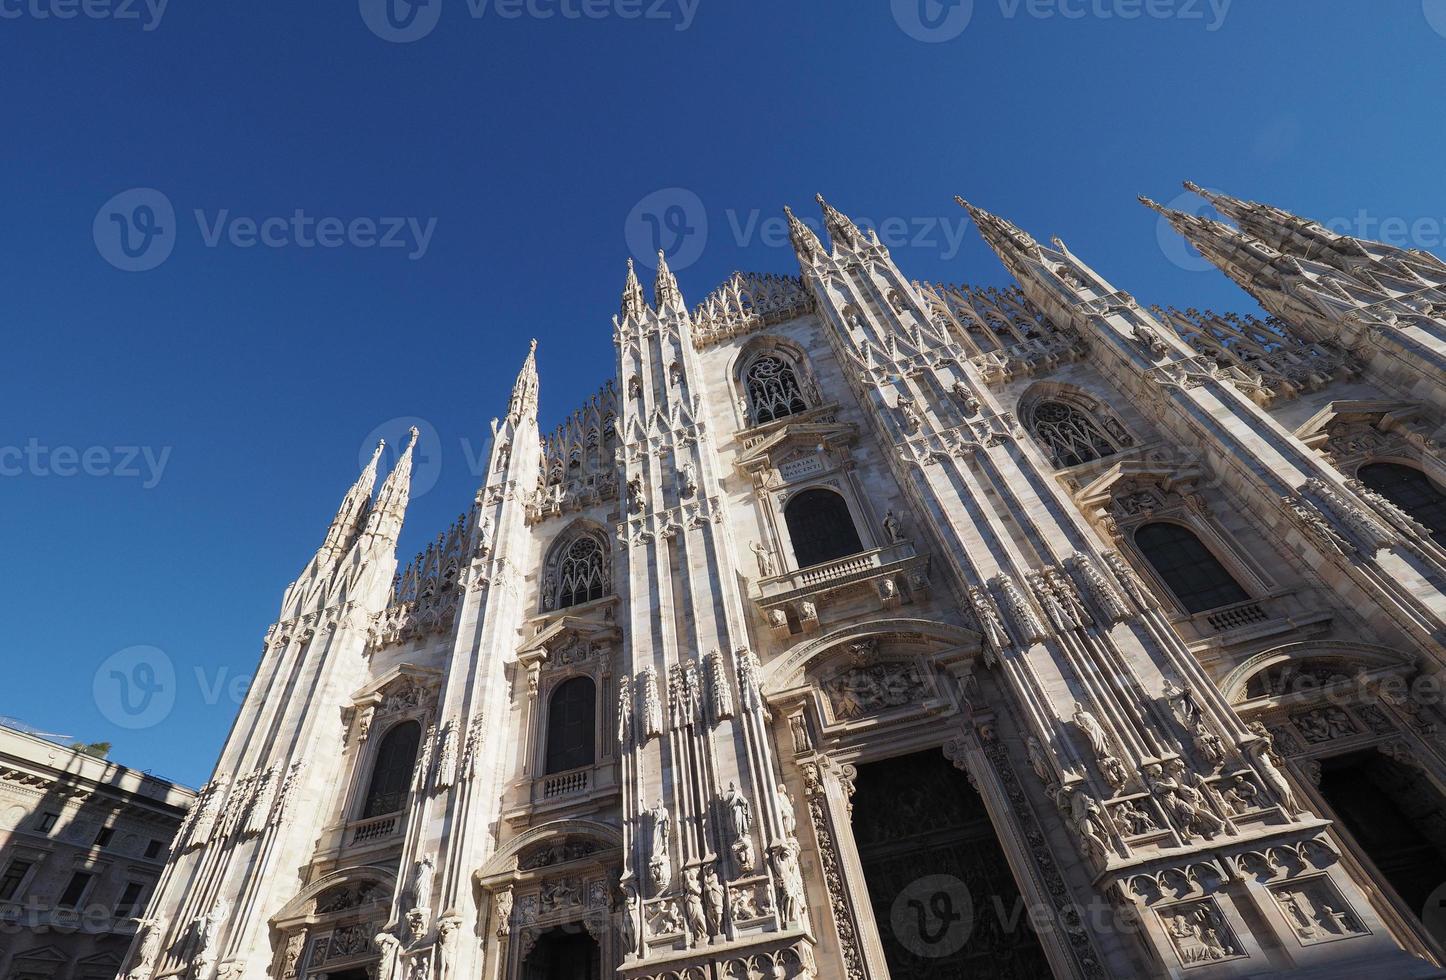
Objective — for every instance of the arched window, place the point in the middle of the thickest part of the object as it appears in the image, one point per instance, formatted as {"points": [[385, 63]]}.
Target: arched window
{"points": [[773, 390], [1195, 575], [821, 527], [571, 725], [577, 572], [1412, 491], [1070, 436], [392, 772]]}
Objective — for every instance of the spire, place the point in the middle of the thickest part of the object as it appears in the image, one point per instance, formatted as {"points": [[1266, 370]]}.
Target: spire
{"points": [[805, 242], [524, 390], [633, 300], [1002, 235], [841, 230], [354, 507], [1270, 224], [665, 289], [391, 506]]}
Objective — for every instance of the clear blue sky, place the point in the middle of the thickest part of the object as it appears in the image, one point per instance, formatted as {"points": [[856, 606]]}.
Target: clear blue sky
{"points": [[258, 373]]}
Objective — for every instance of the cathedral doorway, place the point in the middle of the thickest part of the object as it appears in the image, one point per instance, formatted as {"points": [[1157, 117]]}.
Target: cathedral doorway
{"points": [[564, 954], [943, 895], [1396, 818]]}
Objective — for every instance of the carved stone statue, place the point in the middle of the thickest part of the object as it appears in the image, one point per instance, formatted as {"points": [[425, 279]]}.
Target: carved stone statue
{"points": [[739, 810], [713, 898], [791, 897], [422, 874], [207, 933], [785, 812], [659, 864], [1270, 774], [766, 565], [152, 933], [892, 529], [628, 926], [693, 907], [502, 913], [391, 948], [1091, 729], [448, 931]]}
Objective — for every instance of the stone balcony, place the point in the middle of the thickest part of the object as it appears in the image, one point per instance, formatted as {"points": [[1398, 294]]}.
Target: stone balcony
{"points": [[882, 578], [1273, 614]]}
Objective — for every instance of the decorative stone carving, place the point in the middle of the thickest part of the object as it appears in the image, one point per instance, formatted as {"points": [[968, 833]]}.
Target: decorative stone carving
{"points": [[1263, 754], [660, 867], [1026, 623], [718, 688], [861, 691], [693, 914], [1199, 933], [652, 706], [1106, 600], [1184, 804], [152, 936], [1316, 911]]}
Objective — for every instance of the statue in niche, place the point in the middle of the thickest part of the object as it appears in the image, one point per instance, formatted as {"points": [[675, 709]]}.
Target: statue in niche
{"points": [[693, 907], [767, 568], [739, 810], [713, 899], [152, 935], [893, 531], [1091, 729], [659, 864], [628, 927]]}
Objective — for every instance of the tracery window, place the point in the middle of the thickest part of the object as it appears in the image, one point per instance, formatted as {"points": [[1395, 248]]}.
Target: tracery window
{"points": [[821, 527], [1069, 435], [772, 388], [392, 771], [1196, 577], [577, 573], [571, 725], [1412, 491]]}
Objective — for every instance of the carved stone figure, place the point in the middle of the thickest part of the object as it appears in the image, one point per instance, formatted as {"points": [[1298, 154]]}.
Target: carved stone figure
{"points": [[449, 930], [766, 566], [785, 812], [1091, 729], [207, 937], [693, 907], [893, 531], [152, 933], [740, 811], [1265, 764], [502, 913], [659, 861], [421, 886], [786, 872], [713, 900], [628, 921]]}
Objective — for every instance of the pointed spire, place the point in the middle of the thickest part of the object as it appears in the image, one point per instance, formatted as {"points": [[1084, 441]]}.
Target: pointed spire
{"points": [[354, 507], [524, 390], [666, 294], [805, 242], [841, 230], [633, 300], [391, 506], [1001, 235]]}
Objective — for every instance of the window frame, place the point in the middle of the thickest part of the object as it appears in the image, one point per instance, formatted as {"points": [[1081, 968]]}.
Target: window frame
{"points": [[545, 768], [1230, 568], [1438, 536], [550, 590], [867, 542], [22, 883], [373, 760]]}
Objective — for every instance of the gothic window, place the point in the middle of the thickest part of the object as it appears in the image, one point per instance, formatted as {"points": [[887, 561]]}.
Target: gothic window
{"points": [[1070, 436], [821, 527], [1193, 574], [772, 387], [577, 572], [1412, 491], [571, 725], [392, 771]]}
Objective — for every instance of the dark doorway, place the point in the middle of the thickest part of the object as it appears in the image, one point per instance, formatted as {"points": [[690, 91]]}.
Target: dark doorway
{"points": [[357, 973], [944, 898], [1395, 816], [564, 955]]}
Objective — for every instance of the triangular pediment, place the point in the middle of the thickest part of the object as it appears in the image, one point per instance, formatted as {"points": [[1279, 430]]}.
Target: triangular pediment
{"points": [[1385, 414], [407, 673], [794, 439], [1168, 476], [569, 632]]}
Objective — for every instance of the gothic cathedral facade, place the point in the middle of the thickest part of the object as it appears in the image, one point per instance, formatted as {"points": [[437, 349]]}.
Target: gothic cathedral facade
{"points": [[865, 628]]}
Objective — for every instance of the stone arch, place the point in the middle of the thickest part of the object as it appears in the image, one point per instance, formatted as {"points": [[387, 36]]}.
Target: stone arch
{"points": [[505, 862], [302, 906], [789, 670], [561, 584], [804, 385], [1349, 656], [1049, 407]]}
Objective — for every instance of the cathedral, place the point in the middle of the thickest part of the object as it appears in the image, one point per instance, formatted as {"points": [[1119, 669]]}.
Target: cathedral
{"points": [[867, 628]]}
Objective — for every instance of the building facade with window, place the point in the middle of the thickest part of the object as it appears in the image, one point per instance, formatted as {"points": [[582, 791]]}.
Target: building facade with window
{"points": [[83, 843], [868, 628]]}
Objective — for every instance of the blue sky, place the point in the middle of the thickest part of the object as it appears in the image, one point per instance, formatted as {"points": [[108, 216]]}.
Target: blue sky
{"points": [[213, 408]]}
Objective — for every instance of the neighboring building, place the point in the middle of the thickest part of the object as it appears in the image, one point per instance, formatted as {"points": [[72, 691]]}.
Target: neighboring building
{"points": [[867, 628], [82, 845]]}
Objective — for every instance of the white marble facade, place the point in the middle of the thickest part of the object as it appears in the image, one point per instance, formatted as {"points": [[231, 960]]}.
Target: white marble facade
{"points": [[840, 560]]}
